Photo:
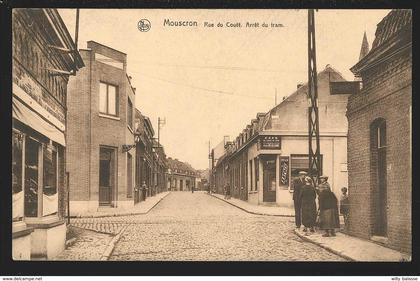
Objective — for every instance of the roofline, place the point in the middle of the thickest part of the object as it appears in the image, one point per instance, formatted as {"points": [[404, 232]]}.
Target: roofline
{"points": [[106, 47], [64, 34]]}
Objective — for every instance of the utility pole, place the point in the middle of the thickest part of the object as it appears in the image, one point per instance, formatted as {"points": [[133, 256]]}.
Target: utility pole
{"points": [[210, 170], [275, 97], [313, 117], [161, 122]]}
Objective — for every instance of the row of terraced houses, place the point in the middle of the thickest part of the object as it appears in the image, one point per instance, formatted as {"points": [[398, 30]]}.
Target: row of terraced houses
{"points": [[79, 144], [365, 140]]}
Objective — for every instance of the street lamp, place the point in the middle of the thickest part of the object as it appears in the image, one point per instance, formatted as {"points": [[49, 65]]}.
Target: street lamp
{"points": [[128, 147]]}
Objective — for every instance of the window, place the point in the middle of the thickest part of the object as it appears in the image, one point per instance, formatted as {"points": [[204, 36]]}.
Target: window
{"points": [[17, 176], [250, 169], [49, 195], [31, 177], [256, 165], [129, 175], [299, 162], [108, 99], [130, 114]]}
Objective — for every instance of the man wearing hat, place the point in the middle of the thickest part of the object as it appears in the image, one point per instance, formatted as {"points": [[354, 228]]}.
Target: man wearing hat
{"points": [[297, 202]]}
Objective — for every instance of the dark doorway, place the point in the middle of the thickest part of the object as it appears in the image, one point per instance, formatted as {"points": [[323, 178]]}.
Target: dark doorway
{"points": [[106, 176], [269, 178], [379, 165]]}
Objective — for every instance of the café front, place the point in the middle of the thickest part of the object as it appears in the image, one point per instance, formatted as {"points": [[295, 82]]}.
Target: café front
{"points": [[274, 160]]}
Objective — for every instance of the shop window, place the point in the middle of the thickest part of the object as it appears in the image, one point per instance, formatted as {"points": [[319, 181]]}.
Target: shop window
{"points": [[256, 166], [129, 175], [299, 162], [32, 151], [251, 179], [108, 99], [49, 198], [17, 176]]}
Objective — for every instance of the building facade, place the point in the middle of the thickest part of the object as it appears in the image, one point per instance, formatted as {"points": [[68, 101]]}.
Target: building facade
{"points": [[144, 157], [100, 121], [262, 161], [379, 138], [180, 176], [40, 76]]}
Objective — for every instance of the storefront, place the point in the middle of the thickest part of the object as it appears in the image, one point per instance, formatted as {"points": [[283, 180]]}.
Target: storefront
{"points": [[39, 185]]}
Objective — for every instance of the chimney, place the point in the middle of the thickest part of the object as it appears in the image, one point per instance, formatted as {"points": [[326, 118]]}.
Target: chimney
{"points": [[300, 84]]}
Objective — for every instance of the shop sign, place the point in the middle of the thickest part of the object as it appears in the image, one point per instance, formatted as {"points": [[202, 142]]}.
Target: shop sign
{"points": [[270, 142], [284, 170]]}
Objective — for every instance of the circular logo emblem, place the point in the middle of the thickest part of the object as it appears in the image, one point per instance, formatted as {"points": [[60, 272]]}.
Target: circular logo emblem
{"points": [[144, 25]]}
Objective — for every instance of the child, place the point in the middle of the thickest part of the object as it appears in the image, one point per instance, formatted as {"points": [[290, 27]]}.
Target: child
{"points": [[344, 206]]}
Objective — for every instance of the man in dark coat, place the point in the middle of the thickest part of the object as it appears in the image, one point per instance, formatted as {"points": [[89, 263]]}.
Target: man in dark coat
{"points": [[297, 189]]}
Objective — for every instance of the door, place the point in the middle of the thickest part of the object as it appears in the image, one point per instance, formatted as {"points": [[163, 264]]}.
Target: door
{"points": [[379, 163], [106, 176], [381, 220], [269, 179]]}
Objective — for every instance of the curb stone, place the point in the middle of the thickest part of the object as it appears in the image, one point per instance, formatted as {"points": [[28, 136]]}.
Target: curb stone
{"points": [[338, 253], [119, 215], [110, 248], [251, 212]]}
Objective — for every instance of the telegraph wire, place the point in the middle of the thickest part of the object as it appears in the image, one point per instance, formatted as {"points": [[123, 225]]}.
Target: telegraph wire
{"points": [[201, 88]]}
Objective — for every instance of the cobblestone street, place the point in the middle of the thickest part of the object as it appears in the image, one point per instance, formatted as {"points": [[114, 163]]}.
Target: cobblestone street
{"points": [[186, 226]]}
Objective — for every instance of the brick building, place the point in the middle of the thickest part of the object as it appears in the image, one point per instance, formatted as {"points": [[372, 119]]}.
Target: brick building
{"points": [[379, 138], [260, 163], [144, 157], [40, 75], [181, 176], [100, 122]]}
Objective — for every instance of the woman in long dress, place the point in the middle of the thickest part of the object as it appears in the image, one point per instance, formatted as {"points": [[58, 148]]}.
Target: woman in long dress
{"points": [[328, 209], [308, 196]]}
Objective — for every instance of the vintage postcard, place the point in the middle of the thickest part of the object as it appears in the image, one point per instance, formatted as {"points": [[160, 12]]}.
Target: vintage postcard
{"points": [[211, 135]]}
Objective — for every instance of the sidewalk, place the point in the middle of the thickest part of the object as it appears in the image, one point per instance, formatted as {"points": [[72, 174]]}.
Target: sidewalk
{"points": [[346, 246], [142, 207], [257, 209], [353, 248]]}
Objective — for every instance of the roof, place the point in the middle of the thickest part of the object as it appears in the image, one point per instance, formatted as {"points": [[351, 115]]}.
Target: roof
{"points": [[391, 25], [176, 164], [300, 90], [393, 35]]}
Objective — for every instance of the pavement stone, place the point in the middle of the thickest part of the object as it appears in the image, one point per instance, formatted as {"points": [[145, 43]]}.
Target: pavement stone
{"points": [[141, 208], [354, 249], [89, 246], [198, 227], [258, 209]]}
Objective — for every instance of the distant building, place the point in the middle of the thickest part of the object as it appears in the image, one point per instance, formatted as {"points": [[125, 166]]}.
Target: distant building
{"points": [[40, 76], [261, 162], [181, 176], [144, 157], [100, 121], [379, 139]]}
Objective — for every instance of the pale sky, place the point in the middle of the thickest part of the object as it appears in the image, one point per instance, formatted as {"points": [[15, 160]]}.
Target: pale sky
{"points": [[210, 82]]}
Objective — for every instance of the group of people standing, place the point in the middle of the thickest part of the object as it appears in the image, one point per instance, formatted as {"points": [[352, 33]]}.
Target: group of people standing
{"points": [[306, 213]]}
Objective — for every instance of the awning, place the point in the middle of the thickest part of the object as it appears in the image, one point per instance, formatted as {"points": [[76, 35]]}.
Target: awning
{"points": [[25, 115]]}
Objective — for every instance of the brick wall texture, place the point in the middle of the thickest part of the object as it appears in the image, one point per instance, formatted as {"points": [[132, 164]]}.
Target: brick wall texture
{"points": [[387, 95]]}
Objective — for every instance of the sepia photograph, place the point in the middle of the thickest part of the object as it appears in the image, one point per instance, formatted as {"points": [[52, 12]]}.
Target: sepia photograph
{"points": [[256, 135]]}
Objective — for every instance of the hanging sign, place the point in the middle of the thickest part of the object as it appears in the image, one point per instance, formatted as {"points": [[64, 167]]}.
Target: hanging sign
{"points": [[284, 170], [270, 142]]}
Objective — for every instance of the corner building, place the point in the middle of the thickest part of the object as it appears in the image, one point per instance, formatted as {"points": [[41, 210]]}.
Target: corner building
{"points": [[40, 76], [261, 162], [100, 122], [379, 139]]}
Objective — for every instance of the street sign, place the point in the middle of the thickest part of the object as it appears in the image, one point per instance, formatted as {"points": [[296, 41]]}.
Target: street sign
{"points": [[344, 87], [270, 142]]}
